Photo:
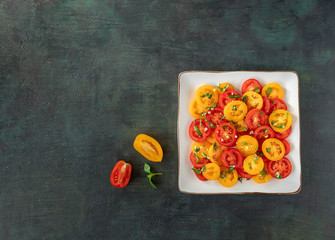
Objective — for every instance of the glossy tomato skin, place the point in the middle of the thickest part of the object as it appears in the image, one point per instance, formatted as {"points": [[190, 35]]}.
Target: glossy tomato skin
{"points": [[287, 147], [226, 98], [266, 105], [283, 167], [200, 176], [262, 133], [225, 134], [251, 85], [276, 104], [200, 163], [232, 156], [243, 173], [120, 175], [203, 127], [283, 135], [214, 116], [254, 119]]}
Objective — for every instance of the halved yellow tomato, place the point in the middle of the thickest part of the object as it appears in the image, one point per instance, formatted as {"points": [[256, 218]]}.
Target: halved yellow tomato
{"points": [[273, 149], [201, 149], [148, 147], [263, 176], [273, 90], [280, 120], [195, 109], [253, 100], [212, 171], [253, 164], [214, 153], [241, 126], [247, 145], [235, 110], [227, 179], [206, 96], [225, 86]]}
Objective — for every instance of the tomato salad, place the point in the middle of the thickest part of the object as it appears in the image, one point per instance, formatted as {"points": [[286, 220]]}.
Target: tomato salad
{"points": [[240, 136]]}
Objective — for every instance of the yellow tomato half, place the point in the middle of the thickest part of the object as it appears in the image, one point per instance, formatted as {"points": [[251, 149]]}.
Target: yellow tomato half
{"points": [[253, 100], [227, 179], [206, 96], [247, 145], [263, 176], [201, 148], [212, 171], [253, 164], [273, 149], [273, 90], [148, 147], [195, 109], [280, 120], [235, 111], [214, 153]]}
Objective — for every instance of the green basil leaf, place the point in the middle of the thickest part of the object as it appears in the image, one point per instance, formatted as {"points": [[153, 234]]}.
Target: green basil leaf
{"points": [[234, 108], [244, 143], [196, 149], [240, 179], [282, 125], [147, 168], [245, 129], [278, 175], [250, 165], [268, 149], [221, 89], [261, 113], [197, 171], [268, 91], [257, 90], [265, 130], [263, 173], [215, 146], [234, 96], [244, 97], [197, 131], [225, 87], [205, 156], [196, 156], [231, 168]]}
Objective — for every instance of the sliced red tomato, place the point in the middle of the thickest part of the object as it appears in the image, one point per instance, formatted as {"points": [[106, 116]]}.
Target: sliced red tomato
{"points": [[280, 169], [120, 175], [287, 147], [250, 133], [266, 105], [215, 116], [276, 104], [227, 97], [200, 176], [243, 173], [198, 162], [199, 130], [233, 157], [283, 135], [225, 134], [254, 119], [262, 133], [251, 85]]}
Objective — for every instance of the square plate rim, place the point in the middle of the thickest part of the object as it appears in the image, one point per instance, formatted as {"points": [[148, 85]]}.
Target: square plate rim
{"points": [[208, 193]]}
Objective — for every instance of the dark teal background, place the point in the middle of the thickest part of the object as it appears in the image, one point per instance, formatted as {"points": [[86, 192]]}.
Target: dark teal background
{"points": [[80, 79]]}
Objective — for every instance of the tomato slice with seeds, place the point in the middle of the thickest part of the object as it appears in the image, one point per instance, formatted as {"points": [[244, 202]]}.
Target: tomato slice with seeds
{"points": [[225, 134], [120, 175], [251, 85], [287, 147], [199, 130], [233, 157], [198, 162], [266, 105], [283, 135], [280, 169], [262, 133], [254, 119], [214, 116], [243, 173], [228, 96], [276, 104]]}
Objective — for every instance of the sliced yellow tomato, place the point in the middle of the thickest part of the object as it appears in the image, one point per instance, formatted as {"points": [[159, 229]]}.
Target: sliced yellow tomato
{"points": [[253, 100], [212, 171], [211, 139], [241, 126], [263, 176], [280, 120], [227, 179], [273, 90], [195, 109], [206, 96], [225, 86], [148, 147], [247, 145], [253, 164], [273, 149], [214, 153], [201, 149], [235, 110]]}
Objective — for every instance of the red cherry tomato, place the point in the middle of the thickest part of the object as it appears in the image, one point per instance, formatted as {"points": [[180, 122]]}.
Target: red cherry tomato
{"points": [[254, 119], [199, 130], [251, 85], [225, 134], [227, 97], [262, 133], [200, 176], [287, 147], [276, 104], [198, 163], [266, 105], [120, 175], [233, 157], [214, 116], [280, 169], [243, 173], [283, 135]]}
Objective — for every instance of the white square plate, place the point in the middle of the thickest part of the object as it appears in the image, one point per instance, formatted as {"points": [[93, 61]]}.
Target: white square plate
{"points": [[188, 83]]}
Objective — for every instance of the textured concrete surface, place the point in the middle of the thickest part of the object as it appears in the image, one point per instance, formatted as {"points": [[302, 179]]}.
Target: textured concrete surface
{"points": [[80, 79]]}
